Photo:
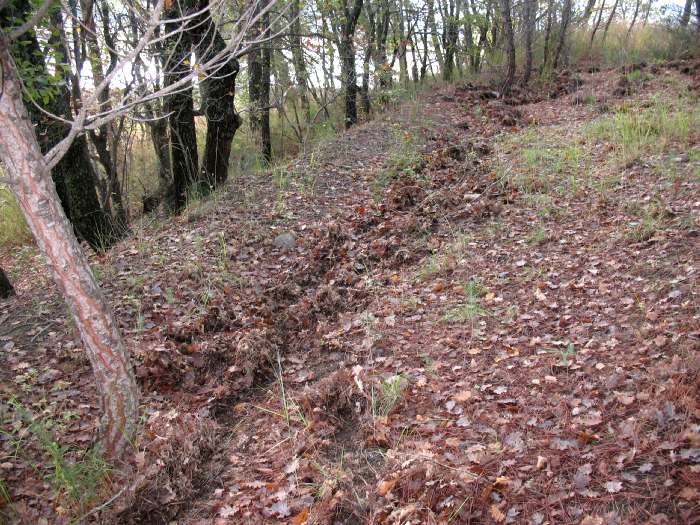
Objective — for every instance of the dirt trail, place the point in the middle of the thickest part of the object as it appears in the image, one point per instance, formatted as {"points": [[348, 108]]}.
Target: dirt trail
{"points": [[442, 344]]}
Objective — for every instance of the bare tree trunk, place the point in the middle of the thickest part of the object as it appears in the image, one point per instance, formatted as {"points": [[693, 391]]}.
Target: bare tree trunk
{"points": [[158, 128], [510, 46], [434, 35], [180, 108], [349, 79], [685, 17], [30, 181], [634, 19], [345, 24], [450, 15], [6, 289], [401, 43], [597, 23], [565, 19], [73, 176], [217, 91], [369, 51], [414, 58], [530, 8], [381, 25], [265, 137], [587, 12], [425, 55], [300, 72], [547, 35], [610, 19], [104, 136], [482, 43], [259, 90]]}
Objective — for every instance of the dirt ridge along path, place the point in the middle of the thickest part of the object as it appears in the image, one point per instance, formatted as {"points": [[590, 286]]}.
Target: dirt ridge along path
{"points": [[454, 396], [319, 405]]}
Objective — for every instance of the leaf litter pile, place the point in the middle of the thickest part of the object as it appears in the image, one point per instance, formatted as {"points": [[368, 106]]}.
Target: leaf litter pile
{"points": [[467, 311]]}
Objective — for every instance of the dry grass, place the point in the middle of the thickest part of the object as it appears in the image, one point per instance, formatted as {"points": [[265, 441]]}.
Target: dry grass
{"points": [[13, 229]]}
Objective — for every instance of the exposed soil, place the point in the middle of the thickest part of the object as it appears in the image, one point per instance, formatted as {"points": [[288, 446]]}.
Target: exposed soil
{"points": [[436, 347]]}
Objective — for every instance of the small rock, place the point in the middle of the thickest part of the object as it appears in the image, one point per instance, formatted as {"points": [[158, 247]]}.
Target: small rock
{"points": [[488, 95], [285, 241]]}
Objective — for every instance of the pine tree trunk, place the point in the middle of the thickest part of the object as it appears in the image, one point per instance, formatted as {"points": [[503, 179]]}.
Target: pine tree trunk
{"points": [[6, 289], [31, 183]]}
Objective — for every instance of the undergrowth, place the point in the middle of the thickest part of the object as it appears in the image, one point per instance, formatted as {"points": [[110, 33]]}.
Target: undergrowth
{"points": [[79, 477], [13, 228]]}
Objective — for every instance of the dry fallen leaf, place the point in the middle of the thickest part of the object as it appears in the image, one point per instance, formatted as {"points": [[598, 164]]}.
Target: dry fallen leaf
{"points": [[502, 482], [592, 520], [453, 442], [464, 395], [301, 518], [625, 399], [689, 494], [613, 486], [541, 462], [386, 486], [497, 514]]}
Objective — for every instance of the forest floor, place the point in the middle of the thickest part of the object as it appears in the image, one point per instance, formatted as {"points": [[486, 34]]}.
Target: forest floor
{"points": [[467, 310]]}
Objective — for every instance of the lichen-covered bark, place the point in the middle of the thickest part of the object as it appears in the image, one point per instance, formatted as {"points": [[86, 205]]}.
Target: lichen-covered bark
{"points": [[31, 183]]}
